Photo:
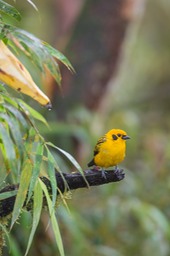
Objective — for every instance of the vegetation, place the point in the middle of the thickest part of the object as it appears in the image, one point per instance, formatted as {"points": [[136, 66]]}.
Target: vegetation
{"points": [[132, 216], [25, 154]]}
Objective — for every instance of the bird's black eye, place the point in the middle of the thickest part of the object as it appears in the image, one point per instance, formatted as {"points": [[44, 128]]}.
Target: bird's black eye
{"points": [[114, 137], [119, 135]]}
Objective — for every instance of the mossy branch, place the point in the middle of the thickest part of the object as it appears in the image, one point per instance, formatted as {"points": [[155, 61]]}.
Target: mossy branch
{"points": [[65, 182]]}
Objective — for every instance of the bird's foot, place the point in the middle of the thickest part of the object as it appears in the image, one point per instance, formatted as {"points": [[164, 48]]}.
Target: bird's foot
{"points": [[94, 169], [98, 169], [103, 174], [119, 173], [117, 170]]}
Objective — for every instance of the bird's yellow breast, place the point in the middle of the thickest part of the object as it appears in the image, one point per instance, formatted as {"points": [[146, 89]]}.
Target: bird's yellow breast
{"points": [[110, 153]]}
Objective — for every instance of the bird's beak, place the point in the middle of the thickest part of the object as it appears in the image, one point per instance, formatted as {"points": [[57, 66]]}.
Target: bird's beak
{"points": [[125, 137]]}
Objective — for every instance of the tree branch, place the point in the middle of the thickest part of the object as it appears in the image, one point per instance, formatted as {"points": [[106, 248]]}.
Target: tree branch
{"points": [[65, 182]]}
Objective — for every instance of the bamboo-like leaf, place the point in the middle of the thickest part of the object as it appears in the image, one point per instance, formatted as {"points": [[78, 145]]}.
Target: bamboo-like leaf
{"points": [[64, 202], [13, 246], [57, 169], [39, 53], [17, 115], [7, 194], [58, 55], [37, 208], [32, 47], [51, 174], [22, 191], [8, 144], [2, 30], [9, 10], [53, 219], [31, 3], [68, 156], [9, 150], [53, 67], [36, 115], [15, 131], [3, 176], [9, 100], [29, 46], [36, 168], [4, 230], [7, 40], [14, 74], [2, 109]]}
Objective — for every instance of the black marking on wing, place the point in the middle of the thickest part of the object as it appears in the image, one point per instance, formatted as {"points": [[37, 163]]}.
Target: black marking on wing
{"points": [[97, 149], [99, 142]]}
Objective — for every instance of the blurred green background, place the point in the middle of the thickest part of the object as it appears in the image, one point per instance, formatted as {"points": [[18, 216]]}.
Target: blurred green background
{"points": [[122, 80]]}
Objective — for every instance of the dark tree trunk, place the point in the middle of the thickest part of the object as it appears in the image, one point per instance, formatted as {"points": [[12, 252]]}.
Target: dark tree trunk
{"points": [[94, 49]]}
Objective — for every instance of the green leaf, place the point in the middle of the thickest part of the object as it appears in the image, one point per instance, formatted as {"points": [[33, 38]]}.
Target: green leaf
{"points": [[53, 67], [41, 54], [8, 144], [38, 53], [36, 115], [53, 219], [51, 173], [14, 246], [18, 115], [35, 49], [9, 10], [4, 230], [3, 176], [22, 191], [3, 90], [10, 100], [32, 47], [58, 55], [17, 136], [36, 169], [7, 194], [37, 208], [15, 132], [68, 156], [9, 150], [31, 3]]}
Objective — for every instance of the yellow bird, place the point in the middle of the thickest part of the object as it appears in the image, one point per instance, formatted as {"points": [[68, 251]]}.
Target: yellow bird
{"points": [[110, 149]]}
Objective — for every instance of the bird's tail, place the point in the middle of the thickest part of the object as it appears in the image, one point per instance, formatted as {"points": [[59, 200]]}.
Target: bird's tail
{"points": [[91, 163]]}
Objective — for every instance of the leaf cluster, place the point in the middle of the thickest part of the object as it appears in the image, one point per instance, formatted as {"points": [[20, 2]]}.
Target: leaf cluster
{"points": [[24, 153]]}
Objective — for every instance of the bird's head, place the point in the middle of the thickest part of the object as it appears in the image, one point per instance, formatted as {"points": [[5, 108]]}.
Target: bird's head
{"points": [[117, 135]]}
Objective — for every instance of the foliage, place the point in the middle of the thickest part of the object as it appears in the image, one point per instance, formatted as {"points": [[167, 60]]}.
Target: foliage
{"points": [[24, 153], [132, 217]]}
